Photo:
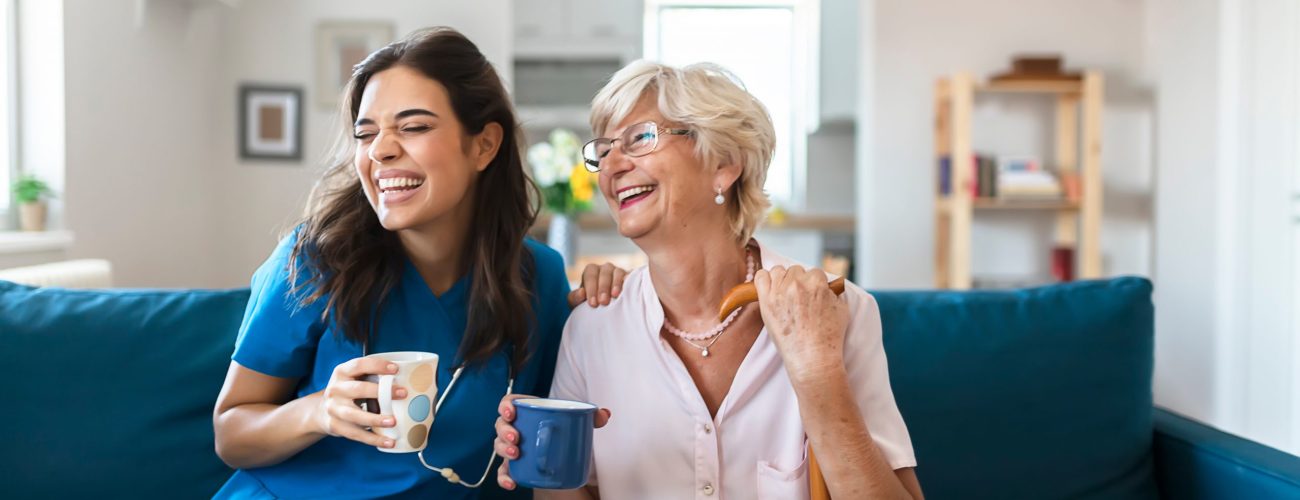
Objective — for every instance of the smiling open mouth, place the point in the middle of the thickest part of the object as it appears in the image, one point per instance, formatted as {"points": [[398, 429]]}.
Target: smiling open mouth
{"points": [[632, 195], [394, 185]]}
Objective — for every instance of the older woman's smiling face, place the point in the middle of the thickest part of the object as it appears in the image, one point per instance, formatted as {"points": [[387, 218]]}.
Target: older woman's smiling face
{"points": [[665, 191]]}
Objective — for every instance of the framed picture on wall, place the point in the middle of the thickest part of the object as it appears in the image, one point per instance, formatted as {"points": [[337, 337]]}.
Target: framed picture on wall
{"points": [[270, 122], [340, 45]]}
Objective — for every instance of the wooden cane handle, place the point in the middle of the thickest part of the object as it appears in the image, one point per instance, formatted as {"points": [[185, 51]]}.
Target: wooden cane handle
{"points": [[745, 293], [817, 487]]}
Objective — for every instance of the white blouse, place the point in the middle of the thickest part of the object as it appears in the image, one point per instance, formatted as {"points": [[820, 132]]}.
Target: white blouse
{"points": [[661, 442]]}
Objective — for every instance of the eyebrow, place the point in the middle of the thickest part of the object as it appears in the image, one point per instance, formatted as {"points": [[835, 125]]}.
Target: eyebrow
{"points": [[406, 113]]}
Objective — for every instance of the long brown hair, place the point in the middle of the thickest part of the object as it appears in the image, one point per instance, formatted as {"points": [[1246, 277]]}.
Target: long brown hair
{"points": [[352, 262]]}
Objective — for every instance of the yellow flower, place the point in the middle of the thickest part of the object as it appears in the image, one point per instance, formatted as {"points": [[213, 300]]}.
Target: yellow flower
{"points": [[580, 182]]}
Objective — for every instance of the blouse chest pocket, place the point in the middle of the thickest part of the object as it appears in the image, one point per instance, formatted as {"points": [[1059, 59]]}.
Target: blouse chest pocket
{"points": [[775, 483]]}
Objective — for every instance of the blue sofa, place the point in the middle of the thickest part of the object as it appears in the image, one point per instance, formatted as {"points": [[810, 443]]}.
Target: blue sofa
{"points": [[1039, 393]]}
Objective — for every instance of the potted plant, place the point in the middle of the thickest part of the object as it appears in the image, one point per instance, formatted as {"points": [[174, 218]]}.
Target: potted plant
{"points": [[567, 188], [30, 192]]}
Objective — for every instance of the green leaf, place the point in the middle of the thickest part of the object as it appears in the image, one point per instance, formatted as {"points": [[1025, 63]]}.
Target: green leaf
{"points": [[29, 189]]}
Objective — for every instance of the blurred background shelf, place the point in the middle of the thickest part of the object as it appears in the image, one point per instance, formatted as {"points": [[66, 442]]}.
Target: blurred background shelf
{"points": [[1032, 86], [1076, 250], [943, 204]]}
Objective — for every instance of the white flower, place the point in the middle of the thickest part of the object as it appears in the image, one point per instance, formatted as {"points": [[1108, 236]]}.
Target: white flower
{"points": [[567, 146], [541, 157], [552, 161]]}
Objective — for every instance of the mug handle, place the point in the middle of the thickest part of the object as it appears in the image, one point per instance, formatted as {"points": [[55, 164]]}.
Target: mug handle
{"points": [[386, 403], [544, 430]]}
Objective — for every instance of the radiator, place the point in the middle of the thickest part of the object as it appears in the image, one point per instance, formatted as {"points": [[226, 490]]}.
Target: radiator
{"points": [[85, 273]]}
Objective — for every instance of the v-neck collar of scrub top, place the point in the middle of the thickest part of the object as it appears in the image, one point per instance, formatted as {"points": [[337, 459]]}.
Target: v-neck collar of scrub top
{"points": [[414, 281], [451, 307]]}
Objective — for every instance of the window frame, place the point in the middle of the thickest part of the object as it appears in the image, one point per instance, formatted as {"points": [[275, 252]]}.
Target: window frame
{"points": [[8, 204]]}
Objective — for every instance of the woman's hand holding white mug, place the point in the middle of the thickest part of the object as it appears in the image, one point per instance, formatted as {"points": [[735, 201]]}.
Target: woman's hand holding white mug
{"points": [[338, 412]]}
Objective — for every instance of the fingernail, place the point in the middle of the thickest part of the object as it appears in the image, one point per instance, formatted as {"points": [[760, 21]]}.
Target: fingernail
{"points": [[592, 302], [392, 367], [401, 393], [617, 290], [510, 485], [389, 444], [514, 452], [604, 297], [510, 436], [388, 422]]}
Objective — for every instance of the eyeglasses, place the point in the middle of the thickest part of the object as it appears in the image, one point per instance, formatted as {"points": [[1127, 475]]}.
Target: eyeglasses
{"points": [[637, 140]]}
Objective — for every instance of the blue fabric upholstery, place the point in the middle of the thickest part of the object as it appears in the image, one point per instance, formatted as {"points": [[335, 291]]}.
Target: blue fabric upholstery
{"points": [[1037, 393], [109, 394], [1197, 462], [1042, 393]]}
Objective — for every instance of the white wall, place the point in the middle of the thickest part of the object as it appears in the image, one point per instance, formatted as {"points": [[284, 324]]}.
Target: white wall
{"points": [[917, 41], [272, 42], [1227, 74], [153, 178], [1183, 50], [139, 113]]}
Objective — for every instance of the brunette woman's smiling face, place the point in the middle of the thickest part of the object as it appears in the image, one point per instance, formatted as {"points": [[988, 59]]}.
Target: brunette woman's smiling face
{"points": [[414, 159]]}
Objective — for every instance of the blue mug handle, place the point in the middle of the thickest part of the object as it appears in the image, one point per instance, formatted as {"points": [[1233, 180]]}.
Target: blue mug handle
{"points": [[544, 430]]}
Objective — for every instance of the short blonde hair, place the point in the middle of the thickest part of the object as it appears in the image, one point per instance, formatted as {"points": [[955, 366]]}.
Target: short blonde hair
{"points": [[728, 124]]}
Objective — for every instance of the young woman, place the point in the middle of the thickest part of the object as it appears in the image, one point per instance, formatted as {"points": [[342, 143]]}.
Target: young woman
{"points": [[417, 243]]}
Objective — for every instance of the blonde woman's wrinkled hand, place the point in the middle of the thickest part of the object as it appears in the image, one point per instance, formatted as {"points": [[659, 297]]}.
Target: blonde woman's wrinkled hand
{"points": [[805, 319]]}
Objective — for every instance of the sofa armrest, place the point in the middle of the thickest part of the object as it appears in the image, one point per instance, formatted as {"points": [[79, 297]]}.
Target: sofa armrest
{"points": [[1195, 461]]}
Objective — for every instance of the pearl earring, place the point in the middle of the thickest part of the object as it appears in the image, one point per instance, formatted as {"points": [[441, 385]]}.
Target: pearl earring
{"points": [[718, 200]]}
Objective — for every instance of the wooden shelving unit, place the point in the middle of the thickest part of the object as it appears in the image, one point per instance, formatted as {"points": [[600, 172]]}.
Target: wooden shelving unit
{"points": [[1078, 122]]}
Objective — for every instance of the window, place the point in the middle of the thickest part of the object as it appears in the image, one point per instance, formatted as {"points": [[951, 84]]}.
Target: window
{"points": [[771, 46], [8, 102]]}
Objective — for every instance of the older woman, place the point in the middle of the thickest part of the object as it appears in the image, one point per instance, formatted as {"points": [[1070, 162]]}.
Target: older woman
{"points": [[696, 407]]}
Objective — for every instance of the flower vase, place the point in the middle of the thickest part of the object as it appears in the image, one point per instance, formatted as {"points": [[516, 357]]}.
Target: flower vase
{"points": [[562, 235]]}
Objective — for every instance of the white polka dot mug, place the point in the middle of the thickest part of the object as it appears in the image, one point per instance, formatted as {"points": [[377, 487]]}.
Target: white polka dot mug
{"points": [[418, 373]]}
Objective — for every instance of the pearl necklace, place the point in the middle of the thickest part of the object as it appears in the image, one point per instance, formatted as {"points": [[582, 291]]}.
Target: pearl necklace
{"points": [[716, 332]]}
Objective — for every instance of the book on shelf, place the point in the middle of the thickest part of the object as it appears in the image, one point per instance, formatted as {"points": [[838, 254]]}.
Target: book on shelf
{"points": [[984, 176], [1010, 179], [1028, 185]]}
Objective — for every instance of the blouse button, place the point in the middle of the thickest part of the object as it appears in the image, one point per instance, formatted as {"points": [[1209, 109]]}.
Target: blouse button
{"points": [[708, 429], [707, 489]]}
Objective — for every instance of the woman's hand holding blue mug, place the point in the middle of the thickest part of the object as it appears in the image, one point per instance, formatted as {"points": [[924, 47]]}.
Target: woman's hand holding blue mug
{"points": [[552, 443]]}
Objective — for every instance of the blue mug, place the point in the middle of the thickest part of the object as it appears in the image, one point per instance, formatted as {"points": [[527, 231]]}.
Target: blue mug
{"points": [[554, 443]]}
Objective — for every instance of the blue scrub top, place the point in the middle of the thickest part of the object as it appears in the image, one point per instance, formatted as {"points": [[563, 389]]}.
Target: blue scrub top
{"points": [[279, 339]]}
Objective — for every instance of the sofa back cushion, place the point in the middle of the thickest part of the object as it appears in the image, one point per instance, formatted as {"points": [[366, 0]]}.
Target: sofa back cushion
{"points": [[1038, 393], [109, 393]]}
